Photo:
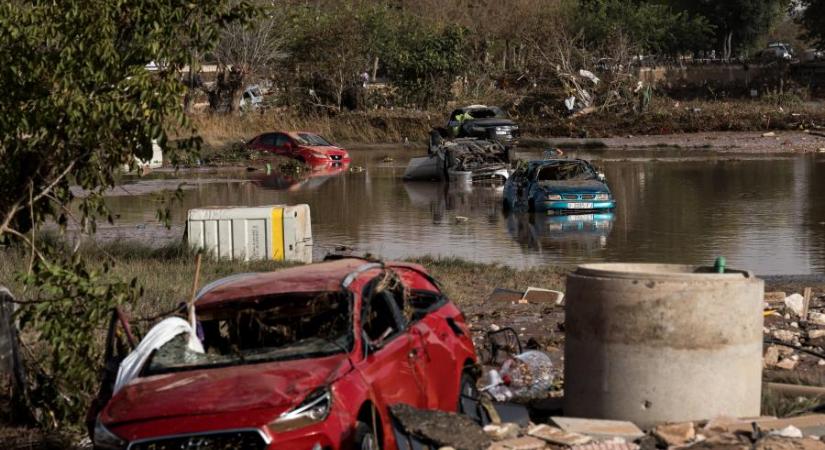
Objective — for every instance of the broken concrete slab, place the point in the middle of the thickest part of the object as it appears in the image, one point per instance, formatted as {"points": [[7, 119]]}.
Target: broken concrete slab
{"points": [[522, 443], [783, 443], [607, 445], [503, 431], [557, 436], [810, 425], [439, 428], [599, 428], [675, 433], [796, 303]]}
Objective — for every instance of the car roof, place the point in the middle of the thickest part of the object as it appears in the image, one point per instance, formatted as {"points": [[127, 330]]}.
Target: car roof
{"points": [[321, 277], [329, 276]]}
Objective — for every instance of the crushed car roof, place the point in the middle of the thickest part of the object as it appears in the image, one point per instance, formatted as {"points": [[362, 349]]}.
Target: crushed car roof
{"points": [[321, 277]]}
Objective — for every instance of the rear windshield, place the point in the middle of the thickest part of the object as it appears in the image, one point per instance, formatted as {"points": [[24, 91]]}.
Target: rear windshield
{"points": [[292, 326], [566, 170], [312, 139]]}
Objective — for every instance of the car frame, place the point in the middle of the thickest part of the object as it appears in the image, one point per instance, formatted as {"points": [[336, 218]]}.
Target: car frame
{"points": [[523, 190], [336, 400], [317, 152], [495, 125]]}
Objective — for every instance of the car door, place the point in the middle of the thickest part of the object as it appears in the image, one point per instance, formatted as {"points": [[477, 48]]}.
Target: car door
{"points": [[431, 355], [283, 144], [386, 364]]}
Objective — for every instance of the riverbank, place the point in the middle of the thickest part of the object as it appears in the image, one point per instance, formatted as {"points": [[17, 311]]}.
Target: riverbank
{"points": [[664, 117]]}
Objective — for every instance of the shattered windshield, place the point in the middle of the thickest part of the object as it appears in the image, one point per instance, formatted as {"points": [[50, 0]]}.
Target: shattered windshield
{"points": [[291, 326], [566, 171], [312, 139]]}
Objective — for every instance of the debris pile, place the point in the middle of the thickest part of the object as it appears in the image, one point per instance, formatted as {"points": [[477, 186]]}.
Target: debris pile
{"points": [[794, 333]]}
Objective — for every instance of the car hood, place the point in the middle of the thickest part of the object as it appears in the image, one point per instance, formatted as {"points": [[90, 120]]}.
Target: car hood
{"points": [[276, 385], [575, 186], [492, 122]]}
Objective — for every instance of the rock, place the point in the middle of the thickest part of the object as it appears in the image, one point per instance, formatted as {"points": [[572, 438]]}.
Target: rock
{"points": [[816, 317], [771, 357], [795, 303], [816, 334], [783, 443], [522, 443], [555, 435], [787, 364], [675, 433], [502, 431], [786, 336]]}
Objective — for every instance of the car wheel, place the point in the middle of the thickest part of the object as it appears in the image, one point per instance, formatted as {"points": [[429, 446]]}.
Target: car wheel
{"points": [[467, 388], [365, 438]]}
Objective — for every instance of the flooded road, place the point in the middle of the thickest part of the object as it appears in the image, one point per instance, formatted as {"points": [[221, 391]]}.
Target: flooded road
{"points": [[764, 214]]}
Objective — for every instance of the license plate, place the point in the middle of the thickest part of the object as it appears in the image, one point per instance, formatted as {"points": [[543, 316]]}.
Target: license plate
{"points": [[580, 206], [581, 218]]}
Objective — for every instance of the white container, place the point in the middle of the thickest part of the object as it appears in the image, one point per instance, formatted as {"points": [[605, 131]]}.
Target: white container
{"points": [[276, 232]]}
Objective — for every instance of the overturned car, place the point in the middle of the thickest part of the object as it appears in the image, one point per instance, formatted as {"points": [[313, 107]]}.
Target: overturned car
{"points": [[303, 358], [460, 160]]}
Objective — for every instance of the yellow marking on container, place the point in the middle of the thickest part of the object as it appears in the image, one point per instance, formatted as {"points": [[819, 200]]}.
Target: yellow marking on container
{"points": [[278, 234]]}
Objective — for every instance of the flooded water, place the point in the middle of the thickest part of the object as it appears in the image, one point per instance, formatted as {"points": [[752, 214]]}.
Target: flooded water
{"points": [[763, 214]]}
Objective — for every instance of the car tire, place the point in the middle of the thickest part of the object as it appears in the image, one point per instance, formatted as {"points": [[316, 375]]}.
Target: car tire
{"points": [[365, 438], [466, 387]]}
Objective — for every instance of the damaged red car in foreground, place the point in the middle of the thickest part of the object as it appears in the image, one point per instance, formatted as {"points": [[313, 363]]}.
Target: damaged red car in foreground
{"points": [[303, 358]]}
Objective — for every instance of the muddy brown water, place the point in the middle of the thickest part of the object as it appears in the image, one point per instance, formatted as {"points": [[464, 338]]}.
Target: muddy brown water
{"points": [[763, 213]]}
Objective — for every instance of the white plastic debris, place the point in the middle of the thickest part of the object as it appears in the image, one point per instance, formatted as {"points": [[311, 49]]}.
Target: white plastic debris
{"points": [[795, 303], [789, 432], [530, 374], [589, 75], [159, 335]]}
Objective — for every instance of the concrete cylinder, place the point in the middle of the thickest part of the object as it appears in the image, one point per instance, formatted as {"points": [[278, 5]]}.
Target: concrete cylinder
{"points": [[654, 343]]}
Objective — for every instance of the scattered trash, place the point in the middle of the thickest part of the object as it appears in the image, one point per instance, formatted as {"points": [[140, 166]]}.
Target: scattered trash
{"points": [[388, 159], [529, 375], [774, 297], [531, 295], [769, 134], [461, 219], [790, 431]]}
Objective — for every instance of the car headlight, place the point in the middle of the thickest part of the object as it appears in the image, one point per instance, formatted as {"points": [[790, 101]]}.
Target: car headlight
{"points": [[602, 196], [553, 197], [105, 439], [314, 409]]}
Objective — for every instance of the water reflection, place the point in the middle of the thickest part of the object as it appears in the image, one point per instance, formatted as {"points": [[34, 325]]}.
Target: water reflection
{"points": [[294, 181], [765, 215], [542, 232]]}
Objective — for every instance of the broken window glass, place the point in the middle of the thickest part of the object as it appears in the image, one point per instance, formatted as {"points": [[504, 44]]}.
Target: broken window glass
{"points": [[291, 326]]}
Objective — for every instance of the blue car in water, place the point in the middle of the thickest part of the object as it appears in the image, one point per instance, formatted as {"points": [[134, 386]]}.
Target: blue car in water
{"points": [[558, 186]]}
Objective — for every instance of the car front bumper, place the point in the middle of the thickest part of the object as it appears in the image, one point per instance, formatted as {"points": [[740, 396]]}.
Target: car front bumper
{"points": [[571, 207]]}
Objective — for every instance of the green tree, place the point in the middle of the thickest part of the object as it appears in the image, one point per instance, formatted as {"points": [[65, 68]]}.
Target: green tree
{"points": [[812, 18], [78, 104], [739, 24]]}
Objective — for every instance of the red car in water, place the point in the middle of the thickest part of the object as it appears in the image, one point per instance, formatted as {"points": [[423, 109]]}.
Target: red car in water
{"points": [[306, 147], [304, 358]]}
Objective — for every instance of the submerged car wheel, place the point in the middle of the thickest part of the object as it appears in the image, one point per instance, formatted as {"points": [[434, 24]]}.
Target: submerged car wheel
{"points": [[365, 438]]}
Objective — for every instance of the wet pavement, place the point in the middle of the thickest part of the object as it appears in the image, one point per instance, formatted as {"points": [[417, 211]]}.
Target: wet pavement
{"points": [[761, 212]]}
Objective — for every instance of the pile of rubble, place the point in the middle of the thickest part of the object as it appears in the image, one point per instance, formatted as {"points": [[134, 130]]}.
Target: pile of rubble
{"points": [[794, 332]]}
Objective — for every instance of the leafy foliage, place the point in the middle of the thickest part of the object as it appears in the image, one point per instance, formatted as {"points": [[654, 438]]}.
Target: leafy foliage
{"points": [[78, 104], [813, 19]]}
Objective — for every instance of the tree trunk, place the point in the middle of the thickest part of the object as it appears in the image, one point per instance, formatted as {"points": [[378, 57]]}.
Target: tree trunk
{"points": [[374, 69]]}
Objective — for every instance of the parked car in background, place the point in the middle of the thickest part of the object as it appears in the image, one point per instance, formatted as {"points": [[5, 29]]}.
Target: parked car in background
{"points": [[304, 146], [777, 50], [252, 97], [558, 186], [483, 122], [303, 358]]}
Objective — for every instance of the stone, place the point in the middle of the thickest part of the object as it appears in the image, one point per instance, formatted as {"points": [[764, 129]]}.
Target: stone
{"points": [[783, 443], [786, 336], [771, 356], [675, 433], [787, 364], [816, 334], [522, 443], [499, 432], [599, 429], [555, 435], [795, 303], [816, 317]]}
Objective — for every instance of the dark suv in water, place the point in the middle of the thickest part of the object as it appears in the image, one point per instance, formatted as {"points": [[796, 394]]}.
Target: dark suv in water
{"points": [[483, 122]]}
